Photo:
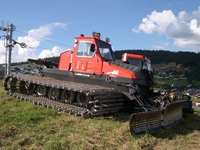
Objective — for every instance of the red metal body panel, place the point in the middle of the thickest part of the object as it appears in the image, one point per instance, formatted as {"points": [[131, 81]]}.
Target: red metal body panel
{"points": [[65, 60], [112, 70], [91, 64], [136, 56], [94, 64]]}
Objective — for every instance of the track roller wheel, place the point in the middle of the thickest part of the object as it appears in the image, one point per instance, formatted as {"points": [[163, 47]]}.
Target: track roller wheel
{"points": [[30, 87], [82, 99], [68, 96], [7, 83], [54, 93], [41, 90], [22, 87], [27, 88]]}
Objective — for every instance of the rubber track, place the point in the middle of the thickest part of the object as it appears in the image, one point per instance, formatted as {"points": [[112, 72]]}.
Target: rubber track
{"points": [[71, 109], [105, 100]]}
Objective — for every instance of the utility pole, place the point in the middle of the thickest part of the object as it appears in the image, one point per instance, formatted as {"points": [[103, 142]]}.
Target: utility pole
{"points": [[9, 45]]}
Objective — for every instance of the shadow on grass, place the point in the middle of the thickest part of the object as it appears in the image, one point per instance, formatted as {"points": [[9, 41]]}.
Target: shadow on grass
{"points": [[190, 123], [120, 116]]}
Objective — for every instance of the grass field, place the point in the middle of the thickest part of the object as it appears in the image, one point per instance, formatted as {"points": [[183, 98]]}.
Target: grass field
{"points": [[24, 125], [183, 83]]}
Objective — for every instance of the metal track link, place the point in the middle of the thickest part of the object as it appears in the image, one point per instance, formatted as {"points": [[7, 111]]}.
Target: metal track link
{"points": [[71, 109]]}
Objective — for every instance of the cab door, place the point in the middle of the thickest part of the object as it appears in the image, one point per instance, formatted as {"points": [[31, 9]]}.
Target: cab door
{"points": [[85, 60]]}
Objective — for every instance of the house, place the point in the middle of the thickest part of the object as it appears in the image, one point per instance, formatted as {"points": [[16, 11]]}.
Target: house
{"points": [[180, 68]]}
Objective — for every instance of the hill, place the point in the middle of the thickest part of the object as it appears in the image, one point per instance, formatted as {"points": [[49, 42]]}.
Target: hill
{"points": [[189, 60]]}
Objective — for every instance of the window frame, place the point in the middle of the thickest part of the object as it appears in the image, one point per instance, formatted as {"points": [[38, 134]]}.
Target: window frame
{"points": [[83, 51]]}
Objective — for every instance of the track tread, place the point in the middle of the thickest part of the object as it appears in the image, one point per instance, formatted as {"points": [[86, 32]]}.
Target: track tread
{"points": [[106, 100]]}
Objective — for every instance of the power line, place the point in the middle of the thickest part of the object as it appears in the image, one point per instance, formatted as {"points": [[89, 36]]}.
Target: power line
{"points": [[52, 36], [52, 41], [22, 45], [45, 39]]}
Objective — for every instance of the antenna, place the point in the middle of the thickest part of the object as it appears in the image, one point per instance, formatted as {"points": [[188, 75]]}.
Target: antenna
{"points": [[2, 26]]}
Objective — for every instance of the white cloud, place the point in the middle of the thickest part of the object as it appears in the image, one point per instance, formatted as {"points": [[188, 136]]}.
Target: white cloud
{"points": [[161, 46], [156, 22], [184, 29], [2, 52], [194, 27], [33, 39], [60, 25], [56, 51], [182, 15]]}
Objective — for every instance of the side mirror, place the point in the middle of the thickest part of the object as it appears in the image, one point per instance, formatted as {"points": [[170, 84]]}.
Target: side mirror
{"points": [[92, 48]]}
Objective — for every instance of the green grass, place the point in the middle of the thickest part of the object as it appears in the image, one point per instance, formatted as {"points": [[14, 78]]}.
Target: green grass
{"points": [[183, 83], [24, 125]]}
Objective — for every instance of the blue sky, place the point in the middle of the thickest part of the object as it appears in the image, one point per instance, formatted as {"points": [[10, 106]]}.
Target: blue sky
{"points": [[50, 26]]}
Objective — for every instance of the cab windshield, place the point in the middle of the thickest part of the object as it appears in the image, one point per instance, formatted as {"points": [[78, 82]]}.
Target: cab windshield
{"points": [[105, 51], [145, 64], [135, 62]]}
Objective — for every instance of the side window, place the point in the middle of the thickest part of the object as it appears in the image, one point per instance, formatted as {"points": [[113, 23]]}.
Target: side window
{"points": [[84, 49], [105, 53]]}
